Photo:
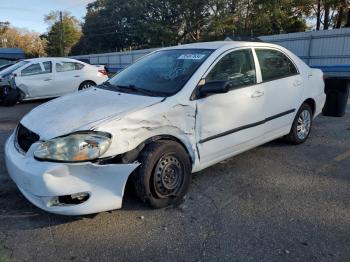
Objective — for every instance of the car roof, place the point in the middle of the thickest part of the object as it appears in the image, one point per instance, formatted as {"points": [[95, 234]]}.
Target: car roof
{"points": [[220, 44], [42, 59]]}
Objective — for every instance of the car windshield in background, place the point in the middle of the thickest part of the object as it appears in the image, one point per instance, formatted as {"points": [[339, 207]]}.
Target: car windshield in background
{"points": [[162, 73], [12, 68]]}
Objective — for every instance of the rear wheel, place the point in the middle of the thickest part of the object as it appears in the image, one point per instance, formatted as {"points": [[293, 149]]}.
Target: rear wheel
{"points": [[86, 85], [164, 176], [301, 127], [9, 96]]}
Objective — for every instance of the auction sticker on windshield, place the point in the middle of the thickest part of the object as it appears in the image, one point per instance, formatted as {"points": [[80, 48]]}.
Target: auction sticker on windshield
{"points": [[192, 56]]}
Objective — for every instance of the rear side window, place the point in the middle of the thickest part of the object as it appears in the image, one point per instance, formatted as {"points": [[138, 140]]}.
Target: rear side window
{"points": [[68, 66], [236, 67], [47, 67], [274, 64], [33, 69], [78, 66]]}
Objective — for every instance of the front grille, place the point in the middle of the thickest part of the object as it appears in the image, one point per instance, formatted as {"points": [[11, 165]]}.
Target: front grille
{"points": [[25, 137]]}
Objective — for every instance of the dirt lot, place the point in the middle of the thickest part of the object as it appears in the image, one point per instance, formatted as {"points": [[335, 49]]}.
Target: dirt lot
{"points": [[275, 203]]}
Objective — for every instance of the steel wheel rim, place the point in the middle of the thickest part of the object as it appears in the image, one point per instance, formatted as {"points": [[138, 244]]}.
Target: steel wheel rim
{"points": [[86, 86], [304, 124], [168, 176]]}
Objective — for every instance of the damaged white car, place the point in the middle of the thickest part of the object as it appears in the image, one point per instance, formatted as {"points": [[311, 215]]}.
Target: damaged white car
{"points": [[174, 112], [47, 77]]}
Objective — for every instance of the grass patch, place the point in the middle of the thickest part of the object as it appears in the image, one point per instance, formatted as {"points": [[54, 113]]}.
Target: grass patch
{"points": [[5, 254]]}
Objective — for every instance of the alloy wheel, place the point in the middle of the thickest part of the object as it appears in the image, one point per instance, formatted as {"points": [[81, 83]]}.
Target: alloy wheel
{"points": [[304, 124]]}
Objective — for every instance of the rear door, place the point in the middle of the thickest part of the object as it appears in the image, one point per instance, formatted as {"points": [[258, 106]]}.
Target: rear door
{"points": [[37, 79], [283, 87], [227, 123], [69, 76]]}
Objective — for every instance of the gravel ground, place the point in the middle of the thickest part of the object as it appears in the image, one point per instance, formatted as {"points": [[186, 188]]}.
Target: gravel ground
{"points": [[274, 203]]}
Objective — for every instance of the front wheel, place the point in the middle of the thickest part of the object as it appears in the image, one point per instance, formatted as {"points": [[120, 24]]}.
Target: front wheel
{"points": [[86, 85], [164, 176], [301, 127], [8, 96]]}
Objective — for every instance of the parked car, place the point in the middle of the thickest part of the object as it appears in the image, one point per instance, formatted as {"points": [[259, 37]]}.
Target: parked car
{"points": [[176, 111], [47, 77], [3, 67]]}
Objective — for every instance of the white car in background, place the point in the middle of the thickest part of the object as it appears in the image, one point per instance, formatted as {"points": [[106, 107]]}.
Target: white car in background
{"points": [[174, 112], [47, 77]]}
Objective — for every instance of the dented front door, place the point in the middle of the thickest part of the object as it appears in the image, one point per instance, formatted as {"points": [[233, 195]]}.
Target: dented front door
{"points": [[226, 123]]}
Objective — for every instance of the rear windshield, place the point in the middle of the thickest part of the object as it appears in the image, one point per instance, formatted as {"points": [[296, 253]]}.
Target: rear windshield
{"points": [[12, 68]]}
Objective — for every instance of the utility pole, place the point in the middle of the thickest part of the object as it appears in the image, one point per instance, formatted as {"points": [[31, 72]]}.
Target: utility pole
{"points": [[61, 35]]}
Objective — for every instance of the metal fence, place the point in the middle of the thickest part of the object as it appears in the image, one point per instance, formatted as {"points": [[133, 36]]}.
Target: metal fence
{"points": [[316, 48], [115, 61]]}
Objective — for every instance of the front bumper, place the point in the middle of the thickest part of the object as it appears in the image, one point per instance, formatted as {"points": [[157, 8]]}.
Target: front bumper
{"points": [[40, 182]]}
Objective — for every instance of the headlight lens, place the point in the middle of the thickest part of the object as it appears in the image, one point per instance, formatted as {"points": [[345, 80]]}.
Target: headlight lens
{"points": [[76, 147]]}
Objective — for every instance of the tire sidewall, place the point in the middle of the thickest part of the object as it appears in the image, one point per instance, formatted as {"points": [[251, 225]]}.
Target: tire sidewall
{"points": [[11, 98], [295, 124], [81, 87], [146, 171]]}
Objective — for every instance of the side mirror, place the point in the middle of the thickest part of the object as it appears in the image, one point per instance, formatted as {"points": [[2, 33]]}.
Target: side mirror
{"points": [[214, 87]]}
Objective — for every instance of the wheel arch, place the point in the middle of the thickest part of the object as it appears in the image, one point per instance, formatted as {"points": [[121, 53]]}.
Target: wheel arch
{"points": [[171, 138], [132, 155], [312, 103], [87, 81]]}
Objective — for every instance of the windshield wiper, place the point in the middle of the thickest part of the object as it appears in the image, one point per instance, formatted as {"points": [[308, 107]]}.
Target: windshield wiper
{"points": [[131, 88], [136, 89], [106, 85]]}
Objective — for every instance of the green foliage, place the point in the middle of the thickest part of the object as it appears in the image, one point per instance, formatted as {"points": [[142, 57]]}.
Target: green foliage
{"points": [[5, 254], [57, 44], [114, 25]]}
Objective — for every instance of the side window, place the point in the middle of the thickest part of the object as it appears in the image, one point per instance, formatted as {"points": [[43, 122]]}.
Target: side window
{"points": [[47, 67], [65, 66], [34, 69], [68, 66], [274, 64], [78, 66], [236, 67]]}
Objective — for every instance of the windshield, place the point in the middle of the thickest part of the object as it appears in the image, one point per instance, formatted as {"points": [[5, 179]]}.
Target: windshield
{"points": [[12, 68], [162, 73]]}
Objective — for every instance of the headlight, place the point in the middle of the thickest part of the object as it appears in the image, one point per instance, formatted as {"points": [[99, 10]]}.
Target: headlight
{"points": [[76, 147]]}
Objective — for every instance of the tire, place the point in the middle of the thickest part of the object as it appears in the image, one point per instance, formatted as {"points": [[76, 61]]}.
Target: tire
{"points": [[301, 127], [9, 96], [164, 176], [86, 85]]}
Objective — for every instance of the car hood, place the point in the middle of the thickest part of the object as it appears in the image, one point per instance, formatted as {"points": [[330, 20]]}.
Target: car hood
{"points": [[82, 111]]}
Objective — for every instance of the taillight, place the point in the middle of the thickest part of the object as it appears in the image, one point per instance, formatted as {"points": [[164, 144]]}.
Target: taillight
{"points": [[103, 72]]}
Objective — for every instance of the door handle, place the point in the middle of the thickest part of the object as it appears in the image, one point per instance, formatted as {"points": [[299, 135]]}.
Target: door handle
{"points": [[257, 94], [48, 79], [297, 83], [76, 76]]}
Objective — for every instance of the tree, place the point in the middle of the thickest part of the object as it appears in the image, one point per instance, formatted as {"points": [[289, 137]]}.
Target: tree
{"points": [[3, 27], [347, 24], [116, 25], [62, 35], [330, 13], [29, 41]]}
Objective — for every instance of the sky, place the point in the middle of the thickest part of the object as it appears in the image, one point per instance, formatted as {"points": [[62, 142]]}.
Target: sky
{"points": [[30, 13]]}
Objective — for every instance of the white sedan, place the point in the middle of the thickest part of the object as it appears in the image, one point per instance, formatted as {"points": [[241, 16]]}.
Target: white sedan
{"points": [[176, 111], [47, 77]]}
